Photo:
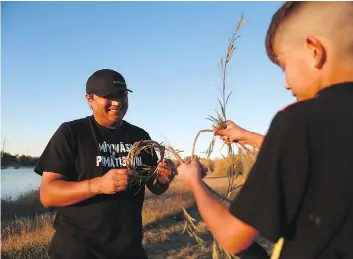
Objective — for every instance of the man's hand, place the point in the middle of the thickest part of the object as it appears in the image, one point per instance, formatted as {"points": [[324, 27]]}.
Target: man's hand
{"points": [[231, 133], [115, 180], [166, 171], [191, 172]]}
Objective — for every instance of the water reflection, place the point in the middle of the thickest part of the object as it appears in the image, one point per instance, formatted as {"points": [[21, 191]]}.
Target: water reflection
{"points": [[17, 181]]}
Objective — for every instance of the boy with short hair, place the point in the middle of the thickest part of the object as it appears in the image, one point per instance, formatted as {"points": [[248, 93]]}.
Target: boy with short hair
{"points": [[300, 187]]}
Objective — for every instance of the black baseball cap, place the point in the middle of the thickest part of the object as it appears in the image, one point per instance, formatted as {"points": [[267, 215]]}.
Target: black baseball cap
{"points": [[106, 82]]}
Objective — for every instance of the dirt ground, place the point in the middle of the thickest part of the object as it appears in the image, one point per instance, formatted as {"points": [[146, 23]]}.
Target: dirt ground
{"points": [[172, 243]]}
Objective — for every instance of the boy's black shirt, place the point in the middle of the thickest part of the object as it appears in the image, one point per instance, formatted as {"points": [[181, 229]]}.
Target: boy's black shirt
{"points": [[301, 186], [108, 225]]}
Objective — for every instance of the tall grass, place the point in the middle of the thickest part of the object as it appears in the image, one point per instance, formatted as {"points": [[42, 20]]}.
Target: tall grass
{"points": [[25, 205], [231, 164]]}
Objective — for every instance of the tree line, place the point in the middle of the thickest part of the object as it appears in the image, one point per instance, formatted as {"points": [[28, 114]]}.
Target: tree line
{"points": [[16, 161]]}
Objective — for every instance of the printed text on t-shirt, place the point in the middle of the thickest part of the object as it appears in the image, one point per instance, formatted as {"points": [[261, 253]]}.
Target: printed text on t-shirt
{"points": [[113, 159]]}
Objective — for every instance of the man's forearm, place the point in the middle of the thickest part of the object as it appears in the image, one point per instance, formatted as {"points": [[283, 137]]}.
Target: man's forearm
{"points": [[61, 193], [157, 188], [231, 233]]}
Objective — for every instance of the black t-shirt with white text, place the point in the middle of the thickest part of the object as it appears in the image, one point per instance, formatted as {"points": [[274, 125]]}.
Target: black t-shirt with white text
{"points": [[301, 185], [109, 225]]}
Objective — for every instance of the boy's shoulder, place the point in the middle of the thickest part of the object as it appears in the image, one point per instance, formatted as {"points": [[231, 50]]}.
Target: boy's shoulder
{"points": [[298, 107], [295, 115], [299, 110]]}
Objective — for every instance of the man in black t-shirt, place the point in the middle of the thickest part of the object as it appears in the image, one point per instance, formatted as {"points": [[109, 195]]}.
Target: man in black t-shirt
{"points": [[299, 192], [85, 176]]}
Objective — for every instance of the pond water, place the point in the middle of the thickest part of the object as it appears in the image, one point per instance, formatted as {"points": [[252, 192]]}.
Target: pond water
{"points": [[17, 181]]}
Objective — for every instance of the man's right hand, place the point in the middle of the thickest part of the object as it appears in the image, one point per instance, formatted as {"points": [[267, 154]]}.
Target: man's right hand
{"points": [[231, 133], [115, 180]]}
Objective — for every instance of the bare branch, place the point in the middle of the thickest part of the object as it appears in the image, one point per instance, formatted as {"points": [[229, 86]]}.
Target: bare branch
{"points": [[193, 147]]}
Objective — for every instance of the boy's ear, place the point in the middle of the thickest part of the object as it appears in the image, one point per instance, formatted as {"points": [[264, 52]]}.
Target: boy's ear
{"points": [[317, 51]]}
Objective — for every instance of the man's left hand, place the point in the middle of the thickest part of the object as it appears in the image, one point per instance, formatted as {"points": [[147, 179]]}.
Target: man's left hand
{"points": [[166, 171]]}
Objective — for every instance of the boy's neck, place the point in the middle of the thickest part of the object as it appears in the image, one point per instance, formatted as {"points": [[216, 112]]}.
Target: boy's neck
{"points": [[339, 74]]}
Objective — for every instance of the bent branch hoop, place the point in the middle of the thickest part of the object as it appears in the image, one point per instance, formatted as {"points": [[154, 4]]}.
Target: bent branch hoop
{"points": [[140, 146]]}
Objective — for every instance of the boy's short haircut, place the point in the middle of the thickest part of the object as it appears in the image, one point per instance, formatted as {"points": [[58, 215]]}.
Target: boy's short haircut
{"points": [[286, 10], [337, 17]]}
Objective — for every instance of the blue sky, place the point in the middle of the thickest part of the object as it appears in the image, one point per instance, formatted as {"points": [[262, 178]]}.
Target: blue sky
{"points": [[168, 53]]}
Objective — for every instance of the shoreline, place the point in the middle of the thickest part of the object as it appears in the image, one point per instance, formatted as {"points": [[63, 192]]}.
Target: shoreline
{"points": [[17, 167]]}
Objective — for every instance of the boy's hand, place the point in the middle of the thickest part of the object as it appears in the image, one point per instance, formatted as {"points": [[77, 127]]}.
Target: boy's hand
{"points": [[231, 133], [192, 172]]}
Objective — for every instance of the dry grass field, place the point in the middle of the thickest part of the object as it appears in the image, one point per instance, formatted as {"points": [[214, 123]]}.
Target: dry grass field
{"points": [[26, 226]]}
